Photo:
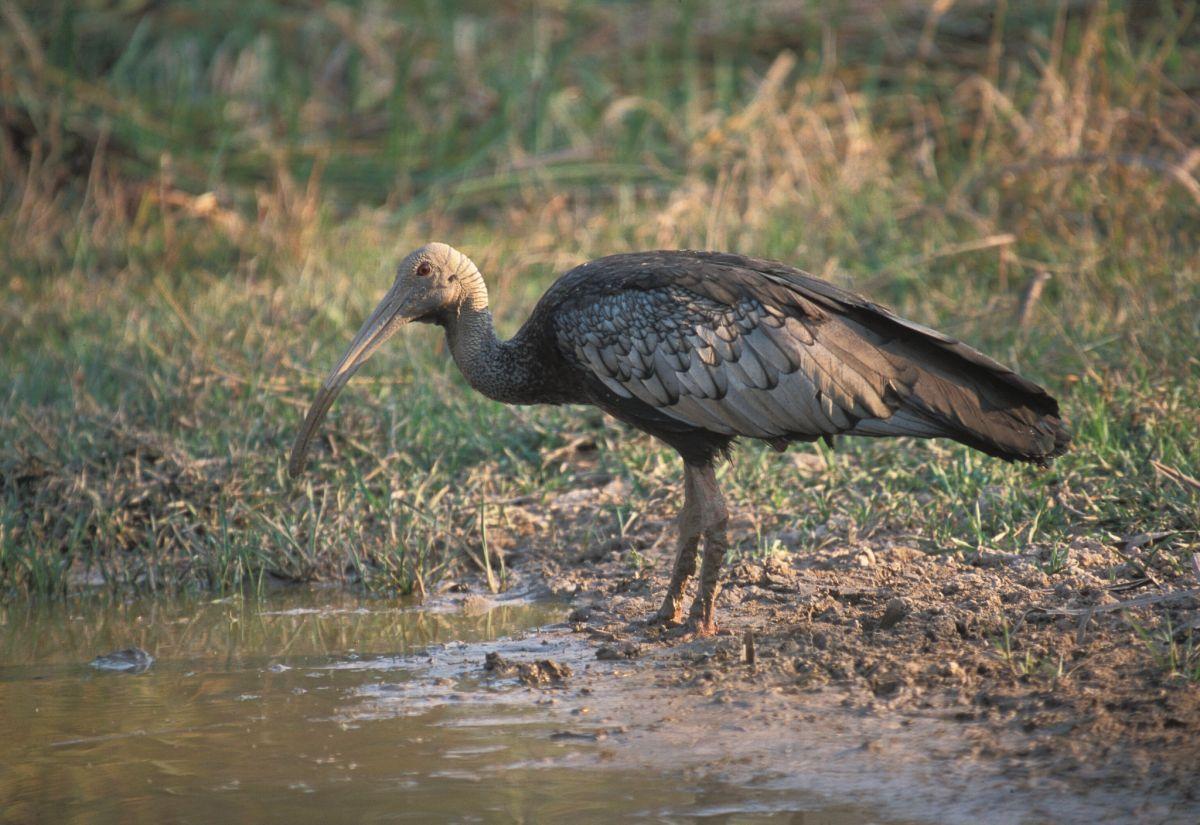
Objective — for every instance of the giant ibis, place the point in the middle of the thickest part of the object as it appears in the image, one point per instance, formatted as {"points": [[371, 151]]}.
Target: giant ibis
{"points": [[699, 348]]}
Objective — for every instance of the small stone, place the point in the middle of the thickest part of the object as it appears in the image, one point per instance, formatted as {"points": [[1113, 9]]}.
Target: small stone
{"points": [[953, 670], [894, 613], [580, 614], [586, 736], [628, 650], [941, 628], [127, 660], [495, 662], [533, 674]]}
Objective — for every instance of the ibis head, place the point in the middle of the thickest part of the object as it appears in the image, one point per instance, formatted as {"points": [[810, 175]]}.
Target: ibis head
{"points": [[432, 284]]}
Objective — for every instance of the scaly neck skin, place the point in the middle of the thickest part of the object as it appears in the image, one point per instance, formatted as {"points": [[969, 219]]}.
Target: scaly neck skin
{"points": [[502, 370]]}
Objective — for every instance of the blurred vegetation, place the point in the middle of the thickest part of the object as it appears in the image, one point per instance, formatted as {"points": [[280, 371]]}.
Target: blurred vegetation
{"points": [[199, 201]]}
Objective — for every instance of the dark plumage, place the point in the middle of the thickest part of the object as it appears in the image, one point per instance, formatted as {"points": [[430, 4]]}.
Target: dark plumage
{"points": [[723, 345], [699, 348]]}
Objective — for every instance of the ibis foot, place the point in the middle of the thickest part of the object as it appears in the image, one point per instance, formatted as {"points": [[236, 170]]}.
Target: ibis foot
{"points": [[694, 629], [702, 630], [702, 619], [670, 614]]}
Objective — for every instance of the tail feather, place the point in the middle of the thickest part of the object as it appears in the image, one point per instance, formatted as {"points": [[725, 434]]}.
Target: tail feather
{"points": [[1013, 433], [947, 389], [934, 385]]}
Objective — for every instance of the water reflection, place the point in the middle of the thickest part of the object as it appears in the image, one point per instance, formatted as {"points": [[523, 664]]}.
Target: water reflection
{"points": [[305, 708]]}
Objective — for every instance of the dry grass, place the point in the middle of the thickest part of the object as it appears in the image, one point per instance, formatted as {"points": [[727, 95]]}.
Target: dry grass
{"points": [[193, 222]]}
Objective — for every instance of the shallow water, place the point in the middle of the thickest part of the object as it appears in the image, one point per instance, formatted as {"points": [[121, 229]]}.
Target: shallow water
{"points": [[320, 707]]}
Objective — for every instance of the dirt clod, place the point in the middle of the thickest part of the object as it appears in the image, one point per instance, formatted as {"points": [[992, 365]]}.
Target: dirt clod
{"points": [[535, 674], [894, 613], [627, 650], [580, 614]]}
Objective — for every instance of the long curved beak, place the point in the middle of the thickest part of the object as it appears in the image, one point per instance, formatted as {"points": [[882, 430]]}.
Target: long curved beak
{"points": [[388, 317]]}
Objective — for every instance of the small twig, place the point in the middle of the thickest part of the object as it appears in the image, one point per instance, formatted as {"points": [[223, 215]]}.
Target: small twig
{"points": [[418, 582], [177, 310], [1030, 298], [1140, 601], [487, 555], [1002, 240], [937, 10], [25, 34], [1182, 479], [1085, 614]]}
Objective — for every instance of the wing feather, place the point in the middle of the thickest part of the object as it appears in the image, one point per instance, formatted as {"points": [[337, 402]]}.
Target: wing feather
{"points": [[749, 370], [768, 350], [797, 394], [746, 369]]}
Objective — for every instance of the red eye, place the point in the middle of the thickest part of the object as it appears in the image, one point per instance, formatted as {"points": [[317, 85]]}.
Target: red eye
{"points": [[423, 269]]}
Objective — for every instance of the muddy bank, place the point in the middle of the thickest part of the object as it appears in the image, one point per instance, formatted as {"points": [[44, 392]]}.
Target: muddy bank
{"points": [[1000, 679], [734, 726]]}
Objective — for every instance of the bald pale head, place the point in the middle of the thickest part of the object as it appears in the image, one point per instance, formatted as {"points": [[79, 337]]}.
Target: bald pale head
{"points": [[434, 284], [438, 279]]}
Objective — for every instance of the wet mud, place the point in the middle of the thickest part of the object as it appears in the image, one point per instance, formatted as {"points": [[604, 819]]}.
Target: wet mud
{"points": [[946, 687]]}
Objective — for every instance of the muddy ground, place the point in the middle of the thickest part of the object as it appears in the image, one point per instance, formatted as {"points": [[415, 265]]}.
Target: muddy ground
{"points": [[979, 662]]}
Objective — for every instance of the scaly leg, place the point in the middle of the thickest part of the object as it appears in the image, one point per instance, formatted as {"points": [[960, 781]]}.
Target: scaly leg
{"points": [[715, 519], [690, 527]]}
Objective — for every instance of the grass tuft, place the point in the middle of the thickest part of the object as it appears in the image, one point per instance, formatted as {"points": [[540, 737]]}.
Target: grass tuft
{"points": [[197, 209]]}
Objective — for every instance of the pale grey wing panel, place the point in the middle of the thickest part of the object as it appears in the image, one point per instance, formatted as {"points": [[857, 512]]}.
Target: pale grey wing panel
{"points": [[738, 370]]}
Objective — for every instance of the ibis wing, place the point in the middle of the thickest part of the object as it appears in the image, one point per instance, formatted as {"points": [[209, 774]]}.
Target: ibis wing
{"points": [[737, 367]]}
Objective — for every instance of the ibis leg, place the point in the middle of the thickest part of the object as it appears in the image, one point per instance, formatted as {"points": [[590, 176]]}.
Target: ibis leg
{"points": [[690, 527], [715, 519]]}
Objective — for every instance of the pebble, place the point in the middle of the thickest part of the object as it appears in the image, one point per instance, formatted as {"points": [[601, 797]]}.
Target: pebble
{"points": [[895, 612], [127, 660]]}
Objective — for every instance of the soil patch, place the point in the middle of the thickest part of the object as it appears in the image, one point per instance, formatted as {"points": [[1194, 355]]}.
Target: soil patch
{"points": [[1083, 672], [541, 672]]}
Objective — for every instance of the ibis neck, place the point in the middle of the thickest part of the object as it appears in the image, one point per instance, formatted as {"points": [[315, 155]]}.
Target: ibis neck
{"points": [[502, 370]]}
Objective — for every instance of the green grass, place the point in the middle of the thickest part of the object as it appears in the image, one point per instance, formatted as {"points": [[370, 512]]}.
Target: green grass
{"points": [[196, 215], [1174, 654]]}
